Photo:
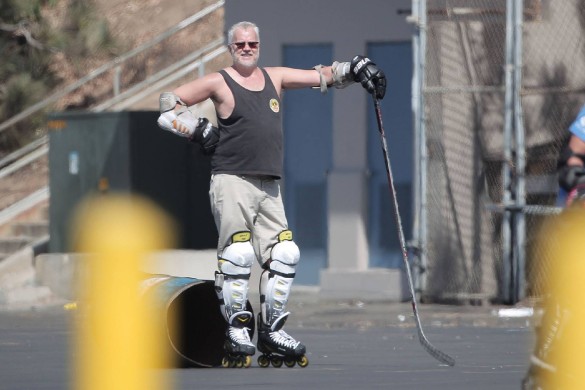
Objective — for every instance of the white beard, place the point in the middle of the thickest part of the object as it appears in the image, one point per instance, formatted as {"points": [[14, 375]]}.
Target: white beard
{"points": [[252, 63]]}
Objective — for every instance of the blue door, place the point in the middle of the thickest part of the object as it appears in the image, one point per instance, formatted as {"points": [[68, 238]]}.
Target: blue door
{"points": [[307, 126], [395, 59]]}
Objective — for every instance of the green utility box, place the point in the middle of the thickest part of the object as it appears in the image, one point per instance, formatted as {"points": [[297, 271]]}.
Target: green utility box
{"points": [[93, 153]]}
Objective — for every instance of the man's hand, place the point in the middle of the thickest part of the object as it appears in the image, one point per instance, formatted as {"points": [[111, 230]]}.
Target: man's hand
{"points": [[371, 77], [206, 135]]}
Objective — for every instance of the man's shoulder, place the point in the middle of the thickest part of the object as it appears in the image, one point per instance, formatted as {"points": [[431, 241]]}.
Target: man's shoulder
{"points": [[215, 80], [275, 72], [578, 125], [274, 69], [217, 75]]}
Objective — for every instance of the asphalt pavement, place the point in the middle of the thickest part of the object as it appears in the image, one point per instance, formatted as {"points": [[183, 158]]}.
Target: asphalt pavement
{"points": [[351, 345]]}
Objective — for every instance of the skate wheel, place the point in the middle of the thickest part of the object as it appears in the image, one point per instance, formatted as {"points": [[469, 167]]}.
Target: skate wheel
{"points": [[247, 361], [289, 362], [263, 361], [276, 362], [303, 361], [229, 362], [239, 363]]}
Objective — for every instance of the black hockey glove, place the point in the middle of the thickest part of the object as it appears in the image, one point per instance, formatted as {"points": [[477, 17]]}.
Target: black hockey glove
{"points": [[206, 135], [570, 176], [365, 72]]}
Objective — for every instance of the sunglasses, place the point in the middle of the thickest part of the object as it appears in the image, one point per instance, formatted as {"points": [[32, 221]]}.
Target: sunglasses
{"points": [[242, 45]]}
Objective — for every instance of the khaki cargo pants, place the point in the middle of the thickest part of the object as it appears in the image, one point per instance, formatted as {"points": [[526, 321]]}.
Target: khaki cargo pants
{"points": [[247, 203]]}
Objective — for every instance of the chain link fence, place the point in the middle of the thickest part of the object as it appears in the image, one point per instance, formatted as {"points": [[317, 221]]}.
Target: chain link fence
{"points": [[475, 243]]}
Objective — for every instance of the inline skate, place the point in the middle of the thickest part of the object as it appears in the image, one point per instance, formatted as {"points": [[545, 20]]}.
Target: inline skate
{"points": [[277, 346], [238, 346]]}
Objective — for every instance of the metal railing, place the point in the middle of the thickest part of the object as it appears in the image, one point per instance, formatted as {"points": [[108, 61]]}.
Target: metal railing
{"points": [[21, 153], [121, 100], [109, 66], [166, 76]]}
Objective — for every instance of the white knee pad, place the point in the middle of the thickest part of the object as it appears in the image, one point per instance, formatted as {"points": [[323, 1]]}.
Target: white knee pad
{"points": [[276, 280], [237, 258], [231, 282], [284, 257]]}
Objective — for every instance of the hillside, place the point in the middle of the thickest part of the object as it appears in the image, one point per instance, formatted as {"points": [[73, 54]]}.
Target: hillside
{"points": [[140, 20], [131, 23]]}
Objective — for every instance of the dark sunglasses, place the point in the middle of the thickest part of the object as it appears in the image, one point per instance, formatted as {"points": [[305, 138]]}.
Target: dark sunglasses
{"points": [[242, 45]]}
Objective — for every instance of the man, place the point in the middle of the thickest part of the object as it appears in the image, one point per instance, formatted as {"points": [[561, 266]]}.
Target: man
{"points": [[572, 160], [244, 191]]}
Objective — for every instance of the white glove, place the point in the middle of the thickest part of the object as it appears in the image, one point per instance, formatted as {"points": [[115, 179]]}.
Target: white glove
{"points": [[182, 124]]}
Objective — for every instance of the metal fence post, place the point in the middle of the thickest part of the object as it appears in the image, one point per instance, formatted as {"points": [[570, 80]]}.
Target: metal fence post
{"points": [[507, 256], [117, 77], [419, 231], [520, 163], [513, 180]]}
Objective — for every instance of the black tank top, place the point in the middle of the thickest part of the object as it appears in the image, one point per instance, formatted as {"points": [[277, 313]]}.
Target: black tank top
{"points": [[250, 139]]}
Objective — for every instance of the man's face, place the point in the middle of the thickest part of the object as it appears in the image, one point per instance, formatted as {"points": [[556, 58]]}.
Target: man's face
{"points": [[245, 48]]}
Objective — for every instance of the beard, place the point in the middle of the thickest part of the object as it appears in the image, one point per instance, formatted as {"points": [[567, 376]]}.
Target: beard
{"points": [[245, 62]]}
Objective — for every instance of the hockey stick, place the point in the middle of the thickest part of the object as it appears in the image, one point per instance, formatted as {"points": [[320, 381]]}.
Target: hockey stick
{"points": [[434, 352]]}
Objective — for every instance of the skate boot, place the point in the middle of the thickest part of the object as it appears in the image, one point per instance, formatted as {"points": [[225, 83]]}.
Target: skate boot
{"points": [[238, 347], [277, 346]]}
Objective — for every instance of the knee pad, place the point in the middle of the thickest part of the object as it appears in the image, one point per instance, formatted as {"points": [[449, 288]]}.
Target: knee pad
{"points": [[277, 278], [237, 258], [284, 255], [231, 282]]}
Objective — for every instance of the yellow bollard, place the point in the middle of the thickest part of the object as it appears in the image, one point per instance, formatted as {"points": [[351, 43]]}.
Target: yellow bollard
{"points": [[565, 244], [116, 347]]}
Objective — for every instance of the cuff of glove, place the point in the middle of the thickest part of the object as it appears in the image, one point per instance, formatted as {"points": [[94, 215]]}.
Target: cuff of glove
{"points": [[577, 194], [341, 74], [322, 81]]}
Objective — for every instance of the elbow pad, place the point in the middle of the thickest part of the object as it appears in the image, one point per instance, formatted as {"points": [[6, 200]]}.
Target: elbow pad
{"points": [[183, 123], [168, 101]]}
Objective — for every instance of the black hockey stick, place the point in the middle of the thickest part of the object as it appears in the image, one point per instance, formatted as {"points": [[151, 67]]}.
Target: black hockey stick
{"points": [[434, 352]]}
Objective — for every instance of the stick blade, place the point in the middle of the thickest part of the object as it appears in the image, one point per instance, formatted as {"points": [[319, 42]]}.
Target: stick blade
{"points": [[434, 352]]}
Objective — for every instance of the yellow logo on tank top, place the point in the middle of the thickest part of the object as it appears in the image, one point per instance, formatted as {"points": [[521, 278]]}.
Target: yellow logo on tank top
{"points": [[274, 106]]}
